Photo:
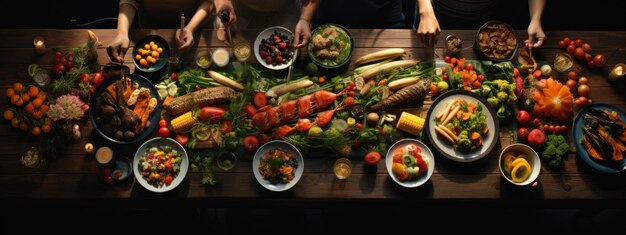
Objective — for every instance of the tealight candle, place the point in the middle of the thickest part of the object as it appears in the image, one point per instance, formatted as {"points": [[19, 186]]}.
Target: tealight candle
{"points": [[89, 148], [618, 71], [40, 45]]}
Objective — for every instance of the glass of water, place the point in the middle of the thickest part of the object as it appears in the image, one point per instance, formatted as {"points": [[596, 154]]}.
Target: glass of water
{"points": [[33, 158]]}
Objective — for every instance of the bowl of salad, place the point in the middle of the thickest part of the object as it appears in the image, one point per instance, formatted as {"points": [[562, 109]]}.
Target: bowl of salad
{"points": [[410, 163], [160, 164], [331, 46], [278, 165], [462, 126]]}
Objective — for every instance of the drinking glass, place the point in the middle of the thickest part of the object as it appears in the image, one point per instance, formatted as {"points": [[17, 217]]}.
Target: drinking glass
{"points": [[342, 168]]}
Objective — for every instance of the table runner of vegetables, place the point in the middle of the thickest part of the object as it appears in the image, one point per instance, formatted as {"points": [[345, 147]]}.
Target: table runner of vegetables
{"points": [[245, 106]]}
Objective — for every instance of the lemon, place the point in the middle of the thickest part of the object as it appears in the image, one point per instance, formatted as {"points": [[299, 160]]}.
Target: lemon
{"points": [[521, 172], [315, 131]]}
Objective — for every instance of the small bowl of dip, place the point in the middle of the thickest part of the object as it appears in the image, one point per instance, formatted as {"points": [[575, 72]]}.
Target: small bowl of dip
{"points": [[221, 57], [203, 59], [242, 50]]}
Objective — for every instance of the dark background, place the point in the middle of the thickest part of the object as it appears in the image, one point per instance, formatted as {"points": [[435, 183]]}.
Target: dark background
{"points": [[558, 14]]}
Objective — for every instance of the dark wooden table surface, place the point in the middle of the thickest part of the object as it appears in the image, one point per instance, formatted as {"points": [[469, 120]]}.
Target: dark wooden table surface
{"points": [[75, 176]]}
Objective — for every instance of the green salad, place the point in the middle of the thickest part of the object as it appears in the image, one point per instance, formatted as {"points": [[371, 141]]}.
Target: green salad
{"points": [[330, 45]]}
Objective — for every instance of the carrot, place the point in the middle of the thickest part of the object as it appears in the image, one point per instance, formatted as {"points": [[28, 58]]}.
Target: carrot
{"points": [[382, 82], [475, 136], [459, 114], [479, 142], [485, 130], [466, 116], [167, 99], [471, 107]]}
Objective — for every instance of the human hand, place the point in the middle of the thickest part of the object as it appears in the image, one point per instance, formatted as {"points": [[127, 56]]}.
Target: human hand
{"points": [[227, 5], [303, 29], [118, 47], [428, 29], [184, 39], [535, 31]]}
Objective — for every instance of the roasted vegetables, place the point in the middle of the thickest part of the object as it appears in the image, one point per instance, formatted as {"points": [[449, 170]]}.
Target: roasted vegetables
{"points": [[205, 97]]}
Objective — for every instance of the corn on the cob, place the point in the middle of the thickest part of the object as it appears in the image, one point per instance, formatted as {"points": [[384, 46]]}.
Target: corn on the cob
{"points": [[410, 123], [183, 122], [379, 55]]}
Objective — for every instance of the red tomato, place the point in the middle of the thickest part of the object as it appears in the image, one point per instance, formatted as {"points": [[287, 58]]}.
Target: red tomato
{"points": [[563, 128], [572, 75], [586, 47], [476, 84], [571, 49], [260, 99], [92, 89], [349, 102], [162, 123], [182, 138], [536, 137], [522, 134], [578, 43], [263, 138], [567, 41], [359, 126], [168, 179], [523, 117], [164, 132], [447, 59], [97, 80], [372, 158], [579, 53], [250, 110], [583, 90], [537, 121], [562, 44], [599, 60], [174, 76], [251, 143], [226, 126], [515, 72]]}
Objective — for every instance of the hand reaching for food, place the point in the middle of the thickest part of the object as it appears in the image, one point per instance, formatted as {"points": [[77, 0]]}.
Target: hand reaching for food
{"points": [[184, 39], [535, 31], [226, 12], [303, 30], [118, 47], [428, 29]]}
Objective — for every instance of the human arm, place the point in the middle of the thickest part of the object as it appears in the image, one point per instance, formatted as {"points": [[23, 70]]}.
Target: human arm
{"points": [[428, 29], [221, 5], [534, 28], [118, 47], [184, 38], [303, 27]]}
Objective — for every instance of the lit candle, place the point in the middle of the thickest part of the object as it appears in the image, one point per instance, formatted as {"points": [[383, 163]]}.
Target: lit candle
{"points": [[89, 148], [618, 71], [40, 45]]}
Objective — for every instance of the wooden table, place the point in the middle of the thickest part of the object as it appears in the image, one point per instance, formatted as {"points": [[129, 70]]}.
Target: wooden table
{"points": [[76, 177]]}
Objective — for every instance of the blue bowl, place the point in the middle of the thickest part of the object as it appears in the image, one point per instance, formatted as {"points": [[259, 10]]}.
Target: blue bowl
{"points": [[577, 132], [153, 120], [163, 57]]}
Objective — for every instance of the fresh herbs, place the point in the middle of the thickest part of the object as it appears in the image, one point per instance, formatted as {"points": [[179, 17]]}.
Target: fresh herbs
{"points": [[204, 164], [195, 78]]}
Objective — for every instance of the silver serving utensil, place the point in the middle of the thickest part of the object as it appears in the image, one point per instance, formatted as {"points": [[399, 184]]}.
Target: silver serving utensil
{"points": [[293, 61]]}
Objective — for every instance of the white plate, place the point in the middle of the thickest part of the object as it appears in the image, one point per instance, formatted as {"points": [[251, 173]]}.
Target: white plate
{"points": [[426, 153], [442, 145], [265, 34], [156, 142], [283, 146]]}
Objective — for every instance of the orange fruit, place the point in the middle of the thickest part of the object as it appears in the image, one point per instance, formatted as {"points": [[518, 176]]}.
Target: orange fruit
{"points": [[138, 57], [154, 47], [143, 62], [42, 95], [25, 97], [44, 108], [147, 47], [37, 114], [160, 50], [46, 128], [33, 91], [15, 98], [8, 114], [15, 122], [37, 102], [18, 87], [10, 92], [36, 131], [155, 54], [23, 126], [30, 108]]}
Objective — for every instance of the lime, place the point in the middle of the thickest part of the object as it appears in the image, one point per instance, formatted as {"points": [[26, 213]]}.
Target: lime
{"points": [[311, 68], [315, 131]]}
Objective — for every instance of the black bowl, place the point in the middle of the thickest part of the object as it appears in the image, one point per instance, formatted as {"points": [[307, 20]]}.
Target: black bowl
{"points": [[485, 56], [321, 63], [153, 120], [163, 56]]}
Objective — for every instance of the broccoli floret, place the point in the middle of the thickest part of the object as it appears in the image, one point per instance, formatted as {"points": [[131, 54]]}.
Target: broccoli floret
{"points": [[556, 148], [493, 101], [463, 145], [502, 96]]}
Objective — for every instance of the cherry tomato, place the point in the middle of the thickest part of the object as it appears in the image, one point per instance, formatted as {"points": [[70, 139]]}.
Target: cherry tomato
{"points": [[162, 123], [579, 53], [447, 59], [572, 75], [174, 76], [182, 138], [470, 67], [250, 110], [563, 128], [164, 132], [583, 80], [599, 60], [359, 126], [515, 72], [537, 121], [226, 126], [571, 84], [583, 90], [562, 44], [586, 47], [551, 128], [578, 43], [349, 101], [567, 41], [546, 127], [571, 49]]}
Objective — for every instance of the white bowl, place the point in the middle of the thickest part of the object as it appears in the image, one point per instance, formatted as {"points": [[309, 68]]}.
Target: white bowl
{"points": [[280, 145], [155, 142], [265, 34], [426, 153], [533, 160]]}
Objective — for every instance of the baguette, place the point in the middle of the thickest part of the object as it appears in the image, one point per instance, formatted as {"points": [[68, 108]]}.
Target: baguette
{"points": [[201, 98]]}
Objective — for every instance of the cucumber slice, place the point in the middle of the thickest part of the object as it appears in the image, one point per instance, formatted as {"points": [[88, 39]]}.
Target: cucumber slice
{"points": [[172, 90]]}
